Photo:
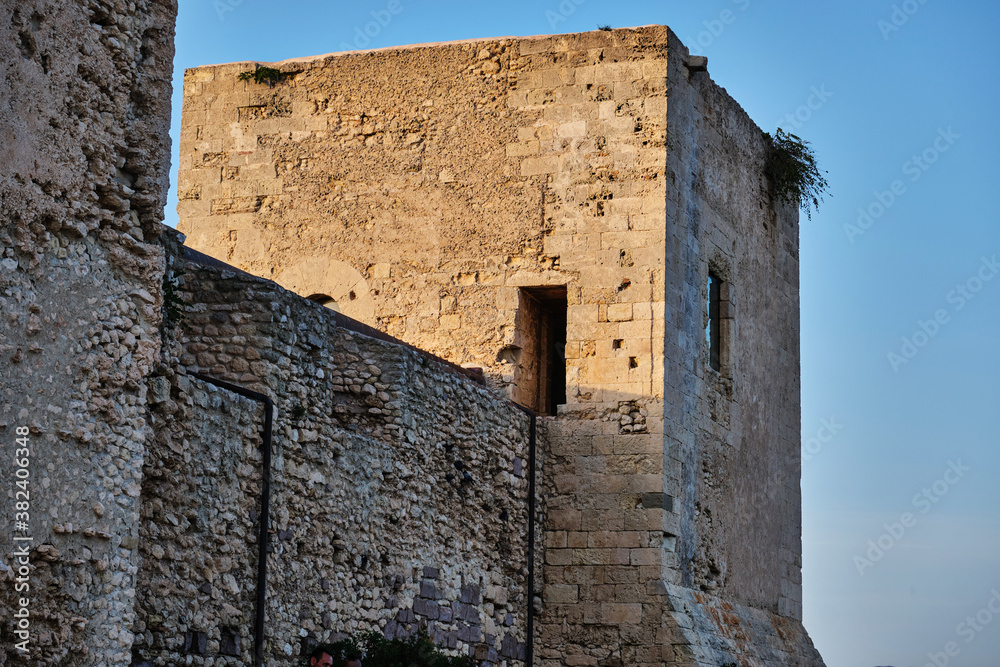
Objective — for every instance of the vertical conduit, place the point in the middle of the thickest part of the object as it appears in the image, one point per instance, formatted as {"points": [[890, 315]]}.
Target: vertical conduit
{"points": [[265, 501], [529, 649], [265, 504]]}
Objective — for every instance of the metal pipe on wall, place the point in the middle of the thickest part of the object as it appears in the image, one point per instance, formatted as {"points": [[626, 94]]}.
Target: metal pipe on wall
{"points": [[529, 649], [265, 503], [265, 500]]}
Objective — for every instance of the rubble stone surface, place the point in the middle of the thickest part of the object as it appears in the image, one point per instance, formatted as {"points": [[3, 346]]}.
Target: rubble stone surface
{"points": [[445, 192], [449, 195], [398, 491], [84, 117]]}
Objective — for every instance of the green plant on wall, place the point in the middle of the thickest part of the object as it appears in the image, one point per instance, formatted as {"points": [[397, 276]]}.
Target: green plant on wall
{"points": [[260, 74], [414, 651], [173, 304], [793, 172]]}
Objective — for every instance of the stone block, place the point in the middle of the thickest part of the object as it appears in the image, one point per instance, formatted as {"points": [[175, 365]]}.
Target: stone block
{"points": [[469, 633], [562, 594], [619, 312], [573, 129], [621, 613], [535, 166], [565, 519], [645, 556], [428, 590]]}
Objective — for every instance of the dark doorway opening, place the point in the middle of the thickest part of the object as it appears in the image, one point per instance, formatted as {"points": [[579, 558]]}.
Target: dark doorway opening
{"points": [[541, 324]]}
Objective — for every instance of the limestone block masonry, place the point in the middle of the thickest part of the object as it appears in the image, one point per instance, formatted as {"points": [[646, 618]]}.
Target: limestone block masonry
{"points": [[548, 209], [551, 210], [399, 483]]}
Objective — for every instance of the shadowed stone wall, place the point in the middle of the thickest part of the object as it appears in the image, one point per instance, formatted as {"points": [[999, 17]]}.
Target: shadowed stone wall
{"points": [[84, 114], [398, 498], [425, 188]]}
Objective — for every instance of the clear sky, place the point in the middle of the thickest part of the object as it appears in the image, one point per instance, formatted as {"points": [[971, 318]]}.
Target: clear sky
{"points": [[899, 99]]}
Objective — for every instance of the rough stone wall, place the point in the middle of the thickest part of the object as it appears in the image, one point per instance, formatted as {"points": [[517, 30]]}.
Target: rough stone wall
{"points": [[422, 187], [732, 435], [83, 141], [398, 498], [673, 530], [430, 184], [198, 537]]}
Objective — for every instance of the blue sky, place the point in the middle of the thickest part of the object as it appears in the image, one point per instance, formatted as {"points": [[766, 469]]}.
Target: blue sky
{"points": [[902, 114]]}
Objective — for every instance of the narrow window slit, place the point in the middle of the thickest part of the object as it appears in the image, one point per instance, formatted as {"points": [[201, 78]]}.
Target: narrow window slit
{"points": [[713, 331]]}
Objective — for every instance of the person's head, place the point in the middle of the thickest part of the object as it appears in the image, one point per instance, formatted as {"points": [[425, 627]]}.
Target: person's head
{"points": [[351, 659], [327, 655], [321, 657]]}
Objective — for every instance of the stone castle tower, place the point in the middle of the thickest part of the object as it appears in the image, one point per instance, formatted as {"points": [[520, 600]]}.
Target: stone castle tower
{"points": [[222, 471], [586, 218]]}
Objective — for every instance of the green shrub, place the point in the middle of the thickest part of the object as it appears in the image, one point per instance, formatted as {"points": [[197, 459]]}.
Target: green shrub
{"points": [[268, 75], [792, 171], [414, 651]]}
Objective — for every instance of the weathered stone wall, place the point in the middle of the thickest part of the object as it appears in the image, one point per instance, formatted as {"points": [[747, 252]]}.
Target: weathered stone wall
{"points": [[431, 183], [198, 537], [733, 434], [399, 487], [423, 187], [83, 142]]}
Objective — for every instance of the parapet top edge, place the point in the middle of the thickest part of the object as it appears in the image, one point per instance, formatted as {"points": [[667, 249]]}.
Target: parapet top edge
{"points": [[422, 45]]}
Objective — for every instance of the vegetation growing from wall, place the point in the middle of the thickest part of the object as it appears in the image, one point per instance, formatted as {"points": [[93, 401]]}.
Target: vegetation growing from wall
{"points": [[260, 74], [414, 651], [793, 172], [173, 304]]}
